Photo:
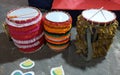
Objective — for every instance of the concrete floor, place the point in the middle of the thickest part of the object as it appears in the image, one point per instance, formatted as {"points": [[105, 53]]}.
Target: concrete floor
{"points": [[45, 59]]}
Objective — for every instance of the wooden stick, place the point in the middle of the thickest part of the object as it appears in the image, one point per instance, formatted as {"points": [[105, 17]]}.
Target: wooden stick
{"points": [[96, 13], [103, 15]]}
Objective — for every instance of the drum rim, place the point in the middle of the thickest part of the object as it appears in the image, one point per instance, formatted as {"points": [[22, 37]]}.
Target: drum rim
{"points": [[17, 25], [37, 48], [31, 45], [69, 17], [56, 31], [58, 47], [57, 39], [99, 22], [30, 40], [61, 41], [19, 22]]}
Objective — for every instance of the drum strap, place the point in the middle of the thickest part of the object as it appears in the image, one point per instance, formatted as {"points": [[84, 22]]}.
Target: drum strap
{"points": [[89, 45]]}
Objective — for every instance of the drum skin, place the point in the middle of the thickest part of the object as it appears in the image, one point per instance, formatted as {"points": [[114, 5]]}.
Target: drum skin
{"points": [[26, 28], [16, 12]]}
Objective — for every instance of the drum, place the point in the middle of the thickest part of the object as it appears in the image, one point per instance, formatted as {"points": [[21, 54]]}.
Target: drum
{"points": [[57, 25], [25, 28], [95, 31]]}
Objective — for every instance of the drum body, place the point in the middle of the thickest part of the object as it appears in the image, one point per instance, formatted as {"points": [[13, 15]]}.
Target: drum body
{"points": [[25, 28], [95, 34], [57, 25]]}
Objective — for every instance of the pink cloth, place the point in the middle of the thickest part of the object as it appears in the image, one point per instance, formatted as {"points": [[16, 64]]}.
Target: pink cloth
{"points": [[86, 4]]}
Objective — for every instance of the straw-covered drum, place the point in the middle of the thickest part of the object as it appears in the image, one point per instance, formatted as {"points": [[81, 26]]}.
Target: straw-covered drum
{"points": [[25, 28], [57, 25], [95, 31]]}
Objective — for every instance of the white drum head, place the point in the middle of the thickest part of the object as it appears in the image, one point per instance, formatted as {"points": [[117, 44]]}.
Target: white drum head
{"points": [[24, 13], [100, 17], [57, 16]]}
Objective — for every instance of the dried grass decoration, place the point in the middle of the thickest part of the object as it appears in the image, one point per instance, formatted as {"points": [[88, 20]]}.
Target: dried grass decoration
{"points": [[95, 34]]}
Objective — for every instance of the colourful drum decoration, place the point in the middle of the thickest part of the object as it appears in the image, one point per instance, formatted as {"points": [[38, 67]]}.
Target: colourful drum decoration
{"points": [[95, 31], [57, 25], [26, 29]]}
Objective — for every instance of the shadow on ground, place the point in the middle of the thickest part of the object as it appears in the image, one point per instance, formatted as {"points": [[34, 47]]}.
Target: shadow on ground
{"points": [[76, 60], [9, 52]]}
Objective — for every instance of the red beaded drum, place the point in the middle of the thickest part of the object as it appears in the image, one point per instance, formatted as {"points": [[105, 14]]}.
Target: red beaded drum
{"points": [[25, 28], [95, 31], [57, 25]]}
